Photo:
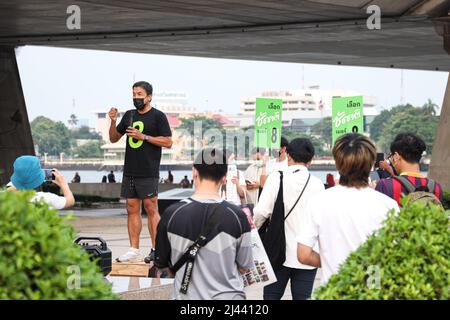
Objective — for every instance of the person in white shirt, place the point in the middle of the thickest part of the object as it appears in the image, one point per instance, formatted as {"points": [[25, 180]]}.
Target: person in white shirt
{"points": [[280, 163], [253, 175], [341, 218], [296, 179], [235, 187], [28, 175]]}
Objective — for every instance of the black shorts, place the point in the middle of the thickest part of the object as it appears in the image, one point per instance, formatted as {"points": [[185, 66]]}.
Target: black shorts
{"points": [[139, 187]]}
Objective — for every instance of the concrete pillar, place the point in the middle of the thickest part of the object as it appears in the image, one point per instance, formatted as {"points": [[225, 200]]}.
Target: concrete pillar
{"points": [[440, 160], [15, 131]]}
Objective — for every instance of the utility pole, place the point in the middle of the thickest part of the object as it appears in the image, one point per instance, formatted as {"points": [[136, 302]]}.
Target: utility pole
{"points": [[402, 98]]}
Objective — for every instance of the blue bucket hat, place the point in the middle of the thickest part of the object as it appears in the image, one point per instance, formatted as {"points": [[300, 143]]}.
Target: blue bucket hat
{"points": [[28, 173]]}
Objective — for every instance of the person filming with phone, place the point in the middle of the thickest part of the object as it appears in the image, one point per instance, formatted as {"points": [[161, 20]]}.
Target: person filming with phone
{"points": [[28, 175]]}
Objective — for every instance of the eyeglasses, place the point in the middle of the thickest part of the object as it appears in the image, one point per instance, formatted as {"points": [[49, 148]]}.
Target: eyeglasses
{"points": [[390, 156]]}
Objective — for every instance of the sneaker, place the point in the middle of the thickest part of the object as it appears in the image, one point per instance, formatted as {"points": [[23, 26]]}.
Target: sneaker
{"points": [[150, 257], [133, 255]]}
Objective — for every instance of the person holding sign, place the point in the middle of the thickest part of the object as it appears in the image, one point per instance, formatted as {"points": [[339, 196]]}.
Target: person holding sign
{"points": [[235, 186], [280, 162]]}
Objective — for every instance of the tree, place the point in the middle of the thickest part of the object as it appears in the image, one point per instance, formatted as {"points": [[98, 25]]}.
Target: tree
{"points": [[405, 118], [51, 137], [423, 125], [206, 124], [84, 133], [88, 150], [377, 125], [320, 145], [323, 129]]}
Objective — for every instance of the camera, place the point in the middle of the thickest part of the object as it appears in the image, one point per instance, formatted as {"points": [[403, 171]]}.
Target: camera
{"points": [[49, 176]]}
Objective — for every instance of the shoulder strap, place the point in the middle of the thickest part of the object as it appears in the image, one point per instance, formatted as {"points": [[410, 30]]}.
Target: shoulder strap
{"points": [[408, 185], [298, 199], [431, 186], [212, 222]]}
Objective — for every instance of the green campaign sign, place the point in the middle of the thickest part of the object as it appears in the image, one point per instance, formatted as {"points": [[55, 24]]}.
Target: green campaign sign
{"points": [[347, 116], [268, 122]]}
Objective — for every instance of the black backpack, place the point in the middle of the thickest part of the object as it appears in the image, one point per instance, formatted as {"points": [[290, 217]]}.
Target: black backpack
{"points": [[272, 231]]}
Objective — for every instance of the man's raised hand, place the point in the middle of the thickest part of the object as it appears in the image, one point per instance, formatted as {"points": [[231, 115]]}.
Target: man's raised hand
{"points": [[113, 114]]}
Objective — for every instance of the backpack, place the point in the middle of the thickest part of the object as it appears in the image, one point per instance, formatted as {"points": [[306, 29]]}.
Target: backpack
{"points": [[272, 232], [422, 193]]}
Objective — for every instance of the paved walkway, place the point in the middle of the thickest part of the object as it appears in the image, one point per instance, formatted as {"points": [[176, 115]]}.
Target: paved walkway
{"points": [[111, 225]]}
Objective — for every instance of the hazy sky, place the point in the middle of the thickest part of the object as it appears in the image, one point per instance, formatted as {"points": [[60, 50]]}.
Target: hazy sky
{"points": [[53, 77]]}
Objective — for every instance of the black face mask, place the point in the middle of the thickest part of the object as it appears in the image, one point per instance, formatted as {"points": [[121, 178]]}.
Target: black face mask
{"points": [[139, 103]]}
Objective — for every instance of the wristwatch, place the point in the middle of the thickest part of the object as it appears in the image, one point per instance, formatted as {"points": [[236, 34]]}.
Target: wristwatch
{"points": [[145, 137]]}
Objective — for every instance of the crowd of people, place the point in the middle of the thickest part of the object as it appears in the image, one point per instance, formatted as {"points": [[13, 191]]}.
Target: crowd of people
{"points": [[320, 225], [304, 224]]}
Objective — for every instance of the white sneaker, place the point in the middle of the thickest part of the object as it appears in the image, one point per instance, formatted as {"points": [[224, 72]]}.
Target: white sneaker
{"points": [[133, 255]]}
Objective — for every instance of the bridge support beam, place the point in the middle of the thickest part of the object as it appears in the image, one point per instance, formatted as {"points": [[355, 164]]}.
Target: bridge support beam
{"points": [[15, 131], [440, 161]]}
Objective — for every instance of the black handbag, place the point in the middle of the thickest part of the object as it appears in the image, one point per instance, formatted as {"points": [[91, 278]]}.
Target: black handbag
{"points": [[272, 232]]}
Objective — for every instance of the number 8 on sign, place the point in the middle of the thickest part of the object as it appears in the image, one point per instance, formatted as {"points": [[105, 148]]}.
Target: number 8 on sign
{"points": [[274, 135]]}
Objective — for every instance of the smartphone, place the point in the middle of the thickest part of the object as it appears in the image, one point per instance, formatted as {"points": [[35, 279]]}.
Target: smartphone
{"points": [[380, 157], [374, 176], [49, 176]]}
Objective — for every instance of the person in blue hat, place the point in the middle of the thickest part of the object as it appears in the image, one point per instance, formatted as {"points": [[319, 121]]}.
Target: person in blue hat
{"points": [[28, 175]]}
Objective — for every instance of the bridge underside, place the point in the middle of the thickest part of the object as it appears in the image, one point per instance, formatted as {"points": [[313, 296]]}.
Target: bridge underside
{"points": [[414, 34]]}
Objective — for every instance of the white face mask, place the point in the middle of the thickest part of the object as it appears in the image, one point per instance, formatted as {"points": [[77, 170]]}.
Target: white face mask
{"points": [[258, 163]]}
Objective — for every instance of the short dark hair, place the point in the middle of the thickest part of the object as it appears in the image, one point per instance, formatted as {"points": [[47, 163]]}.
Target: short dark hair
{"points": [[284, 142], [211, 164], [144, 85], [301, 150], [409, 146]]}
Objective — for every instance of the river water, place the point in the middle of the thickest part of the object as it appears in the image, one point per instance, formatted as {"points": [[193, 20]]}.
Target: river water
{"points": [[96, 176], [178, 175]]}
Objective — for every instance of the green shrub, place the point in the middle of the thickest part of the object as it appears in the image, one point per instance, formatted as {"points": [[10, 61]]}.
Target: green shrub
{"points": [[38, 259], [411, 252]]}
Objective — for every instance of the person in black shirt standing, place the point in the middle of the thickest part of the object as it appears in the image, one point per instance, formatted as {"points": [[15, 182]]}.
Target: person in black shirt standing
{"points": [[147, 131], [111, 177]]}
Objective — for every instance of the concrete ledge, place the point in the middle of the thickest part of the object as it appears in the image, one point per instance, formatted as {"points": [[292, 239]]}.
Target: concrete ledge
{"points": [[109, 190], [162, 292], [141, 288]]}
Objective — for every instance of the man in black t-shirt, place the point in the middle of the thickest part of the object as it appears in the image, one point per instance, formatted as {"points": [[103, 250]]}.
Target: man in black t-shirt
{"points": [[147, 131]]}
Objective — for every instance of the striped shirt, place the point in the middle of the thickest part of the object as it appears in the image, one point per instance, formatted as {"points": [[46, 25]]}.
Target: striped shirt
{"points": [[394, 189]]}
